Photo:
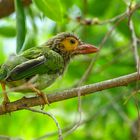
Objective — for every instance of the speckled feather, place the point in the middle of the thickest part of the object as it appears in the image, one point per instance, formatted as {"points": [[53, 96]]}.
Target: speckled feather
{"points": [[44, 63]]}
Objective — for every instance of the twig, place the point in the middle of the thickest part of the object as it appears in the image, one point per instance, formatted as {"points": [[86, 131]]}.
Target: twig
{"points": [[77, 124], [118, 19], [90, 67], [96, 21], [135, 48], [51, 116], [59, 96], [112, 61], [134, 44], [117, 107], [92, 117], [133, 36]]}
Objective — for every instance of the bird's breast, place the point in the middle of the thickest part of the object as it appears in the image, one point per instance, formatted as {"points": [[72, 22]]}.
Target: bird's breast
{"points": [[39, 81]]}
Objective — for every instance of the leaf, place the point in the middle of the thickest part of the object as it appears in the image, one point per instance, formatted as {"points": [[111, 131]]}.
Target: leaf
{"points": [[8, 31], [125, 31], [20, 23], [99, 8], [67, 4], [51, 8]]}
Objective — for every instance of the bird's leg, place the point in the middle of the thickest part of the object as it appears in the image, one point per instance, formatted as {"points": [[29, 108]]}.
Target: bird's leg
{"points": [[5, 96], [39, 93]]}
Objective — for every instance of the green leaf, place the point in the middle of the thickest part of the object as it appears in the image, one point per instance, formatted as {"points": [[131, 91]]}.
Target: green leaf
{"points": [[8, 31], [20, 23], [125, 31], [51, 8], [96, 6], [67, 4]]}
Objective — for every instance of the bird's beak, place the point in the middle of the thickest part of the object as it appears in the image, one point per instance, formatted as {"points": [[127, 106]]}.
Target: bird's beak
{"points": [[86, 49]]}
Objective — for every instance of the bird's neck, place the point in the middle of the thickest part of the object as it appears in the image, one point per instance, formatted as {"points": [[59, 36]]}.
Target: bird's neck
{"points": [[66, 56]]}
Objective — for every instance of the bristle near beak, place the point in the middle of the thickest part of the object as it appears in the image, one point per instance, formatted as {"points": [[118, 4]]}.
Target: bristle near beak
{"points": [[86, 49]]}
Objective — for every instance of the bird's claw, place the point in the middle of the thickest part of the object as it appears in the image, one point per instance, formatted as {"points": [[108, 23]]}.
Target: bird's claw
{"points": [[39, 93], [44, 97]]}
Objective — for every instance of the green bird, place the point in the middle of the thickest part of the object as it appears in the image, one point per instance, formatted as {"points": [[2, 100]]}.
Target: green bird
{"points": [[39, 67]]}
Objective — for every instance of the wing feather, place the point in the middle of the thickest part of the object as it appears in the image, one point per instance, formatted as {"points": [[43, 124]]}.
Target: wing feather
{"points": [[26, 69], [46, 61]]}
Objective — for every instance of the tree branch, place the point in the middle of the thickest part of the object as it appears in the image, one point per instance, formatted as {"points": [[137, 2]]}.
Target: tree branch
{"points": [[59, 96]]}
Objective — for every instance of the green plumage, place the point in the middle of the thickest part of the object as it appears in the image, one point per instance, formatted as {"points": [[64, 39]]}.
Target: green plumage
{"points": [[40, 66], [41, 63]]}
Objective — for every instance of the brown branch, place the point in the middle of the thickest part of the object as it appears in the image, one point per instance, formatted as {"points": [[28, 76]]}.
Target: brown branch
{"points": [[7, 7], [67, 94], [96, 21]]}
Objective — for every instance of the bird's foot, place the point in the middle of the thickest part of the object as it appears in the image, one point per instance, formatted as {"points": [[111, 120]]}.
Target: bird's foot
{"points": [[4, 104], [39, 93], [44, 97]]}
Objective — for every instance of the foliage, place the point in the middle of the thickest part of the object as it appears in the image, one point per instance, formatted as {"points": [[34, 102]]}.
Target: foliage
{"points": [[104, 115], [20, 22]]}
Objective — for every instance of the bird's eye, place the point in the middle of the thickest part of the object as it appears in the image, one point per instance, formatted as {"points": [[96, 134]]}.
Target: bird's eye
{"points": [[72, 41]]}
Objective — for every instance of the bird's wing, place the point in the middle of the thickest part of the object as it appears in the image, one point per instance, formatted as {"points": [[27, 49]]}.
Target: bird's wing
{"points": [[35, 52], [45, 62]]}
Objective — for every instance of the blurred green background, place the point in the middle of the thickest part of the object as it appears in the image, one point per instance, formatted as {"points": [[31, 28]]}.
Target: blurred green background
{"points": [[106, 115]]}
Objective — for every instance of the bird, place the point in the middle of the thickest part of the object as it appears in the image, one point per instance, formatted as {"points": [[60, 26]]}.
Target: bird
{"points": [[39, 67]]}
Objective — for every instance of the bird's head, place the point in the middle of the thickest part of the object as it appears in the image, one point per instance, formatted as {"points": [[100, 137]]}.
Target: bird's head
{"points": [[70, 44]]}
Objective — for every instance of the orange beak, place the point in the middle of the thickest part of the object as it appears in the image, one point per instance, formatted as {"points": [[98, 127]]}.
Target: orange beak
{"points": [[86, 49]]}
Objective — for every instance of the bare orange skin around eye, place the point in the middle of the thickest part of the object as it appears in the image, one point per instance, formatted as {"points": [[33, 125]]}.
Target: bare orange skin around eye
{"points": [[68, 46]]}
